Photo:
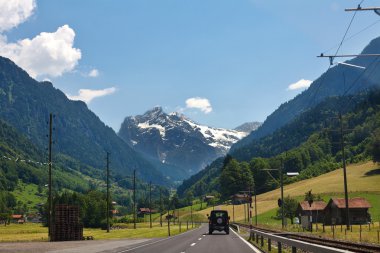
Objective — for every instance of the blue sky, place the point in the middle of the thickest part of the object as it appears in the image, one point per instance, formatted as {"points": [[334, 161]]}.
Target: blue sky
{"points": [[220, 62]]}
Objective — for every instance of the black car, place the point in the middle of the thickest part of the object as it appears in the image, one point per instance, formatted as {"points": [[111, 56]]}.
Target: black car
{"points": [[218, 220]]}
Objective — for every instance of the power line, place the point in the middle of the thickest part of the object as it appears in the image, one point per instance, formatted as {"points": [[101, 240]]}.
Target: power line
{"points": [[357, 79], [354, 35], [336, 53]]}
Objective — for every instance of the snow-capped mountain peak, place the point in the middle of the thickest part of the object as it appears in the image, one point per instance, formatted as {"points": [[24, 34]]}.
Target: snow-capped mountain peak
{"points": [[177, 140]]}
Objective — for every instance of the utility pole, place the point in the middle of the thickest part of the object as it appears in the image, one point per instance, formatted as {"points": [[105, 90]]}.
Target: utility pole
{"points": [[134, 199], [168, 218], [344, 172], [255, 208], [191, 211], [108, 193], [250, 207], [50, 178], [282, 193], [150, 204], [160, 207], [233, 211]]}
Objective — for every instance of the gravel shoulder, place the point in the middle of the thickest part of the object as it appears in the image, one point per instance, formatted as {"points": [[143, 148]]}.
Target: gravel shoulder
{"points": [[70, 247]]}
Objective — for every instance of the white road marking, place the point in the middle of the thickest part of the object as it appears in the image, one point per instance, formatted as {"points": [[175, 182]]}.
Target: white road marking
{"points": [[192, 244], [168, 238], [204, 235], [245, 241], [199, 239]]}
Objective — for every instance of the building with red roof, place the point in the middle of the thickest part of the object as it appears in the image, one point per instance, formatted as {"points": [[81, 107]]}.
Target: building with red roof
{"points": [[335, 211], [315, 210]]}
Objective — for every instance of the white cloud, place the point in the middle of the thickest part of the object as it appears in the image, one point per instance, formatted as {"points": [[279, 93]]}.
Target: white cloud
{"points": [[87, 95], [202, 104], [47, 54], [301, 84], [93, 73], [15, 12]]}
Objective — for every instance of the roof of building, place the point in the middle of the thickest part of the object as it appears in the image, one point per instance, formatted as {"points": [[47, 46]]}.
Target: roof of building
{"points": [[147, 210], [352, 203], [238, 195], [16, 216], [144, 209], [316, 205]]}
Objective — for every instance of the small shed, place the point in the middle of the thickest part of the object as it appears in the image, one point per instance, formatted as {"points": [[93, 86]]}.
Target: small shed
{"points": [[316, 210], [335, 211], [240, 198], [145, 210], [208, 197], [17, 218]]}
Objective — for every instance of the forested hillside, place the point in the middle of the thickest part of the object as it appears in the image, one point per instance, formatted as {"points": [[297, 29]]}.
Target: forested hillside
{"points": [[311, 142], [79, 133], [24, 168], [336, 81]]}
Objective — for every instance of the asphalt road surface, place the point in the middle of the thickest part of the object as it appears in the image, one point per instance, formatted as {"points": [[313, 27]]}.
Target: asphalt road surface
{"points": [[194, 241]]}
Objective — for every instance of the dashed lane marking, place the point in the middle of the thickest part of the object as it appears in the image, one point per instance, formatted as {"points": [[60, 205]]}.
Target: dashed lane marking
{"points": [[192, 244], [199, 239], [154, 242]]}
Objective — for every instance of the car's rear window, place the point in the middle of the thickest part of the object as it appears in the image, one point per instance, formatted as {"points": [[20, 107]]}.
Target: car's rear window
{"points": [[219, 214]]}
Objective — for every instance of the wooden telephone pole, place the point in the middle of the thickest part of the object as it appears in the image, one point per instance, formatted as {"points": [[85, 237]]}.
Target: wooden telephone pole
{"points": [[108, 193], [50, 200]]}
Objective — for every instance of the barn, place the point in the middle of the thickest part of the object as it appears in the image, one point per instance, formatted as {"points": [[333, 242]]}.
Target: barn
{"points": [[316, 210], [335, 211]]}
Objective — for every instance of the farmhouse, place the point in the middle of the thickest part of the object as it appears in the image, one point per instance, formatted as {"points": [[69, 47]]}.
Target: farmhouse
{"points": [[316, 210], [335, 211]]}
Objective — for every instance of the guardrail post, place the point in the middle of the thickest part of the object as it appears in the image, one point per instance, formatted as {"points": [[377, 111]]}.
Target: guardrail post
{"points": [[187, 225], [257, 238], [360, 232], [294, 249], [262, 241], [180, 227], [378, 236], [270, 243], [279, 247]]}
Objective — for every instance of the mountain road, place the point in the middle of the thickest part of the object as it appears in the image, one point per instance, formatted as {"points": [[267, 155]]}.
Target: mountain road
{"points": [[195, 241]]}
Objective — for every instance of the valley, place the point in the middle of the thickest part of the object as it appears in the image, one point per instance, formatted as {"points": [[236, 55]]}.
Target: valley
{"points": [[131, 127]]}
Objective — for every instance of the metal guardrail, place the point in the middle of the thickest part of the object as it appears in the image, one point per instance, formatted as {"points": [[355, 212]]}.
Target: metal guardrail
{"points": [[295, 244], [235, 226]]}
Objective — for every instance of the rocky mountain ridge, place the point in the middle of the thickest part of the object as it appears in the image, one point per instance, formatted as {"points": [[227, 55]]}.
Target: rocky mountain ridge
{"points": [[177, 140]]}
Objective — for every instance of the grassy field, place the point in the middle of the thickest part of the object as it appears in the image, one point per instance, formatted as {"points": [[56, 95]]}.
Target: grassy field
{"points": [[29, 232], [28, 194], [363, 180]]}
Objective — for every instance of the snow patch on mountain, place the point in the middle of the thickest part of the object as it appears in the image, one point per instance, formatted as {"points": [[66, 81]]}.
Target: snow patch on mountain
{"points": [[147, 125], [217, 137]]}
